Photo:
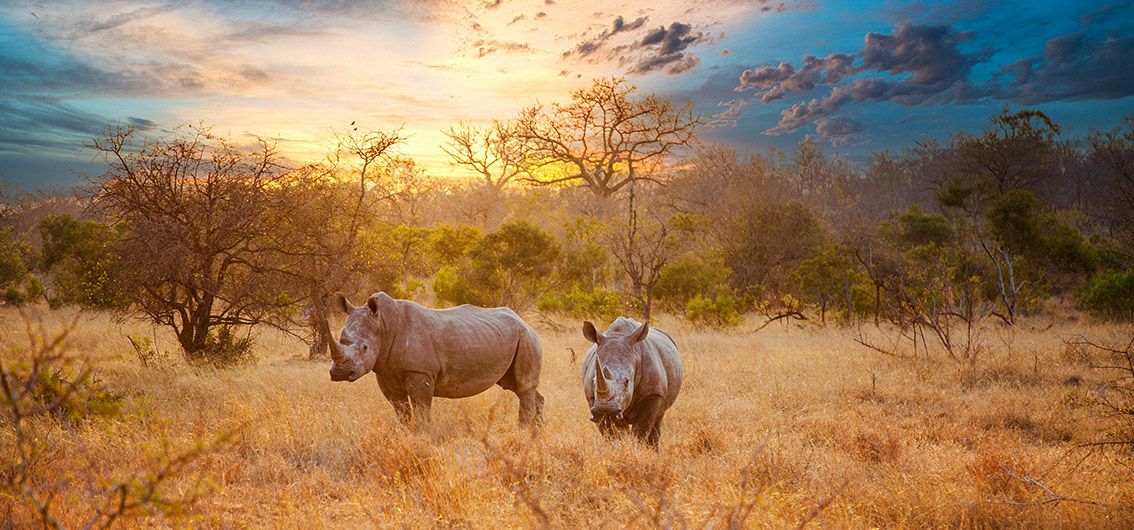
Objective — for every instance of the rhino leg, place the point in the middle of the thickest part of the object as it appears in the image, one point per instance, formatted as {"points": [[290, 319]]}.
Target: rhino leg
{"points": [[655, 433], [531, 408], [398, 399], [647, 419], [419, 390]]}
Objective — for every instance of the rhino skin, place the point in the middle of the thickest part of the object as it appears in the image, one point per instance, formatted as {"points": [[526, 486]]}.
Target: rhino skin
{"points": [[418, 353], [631, 376]]}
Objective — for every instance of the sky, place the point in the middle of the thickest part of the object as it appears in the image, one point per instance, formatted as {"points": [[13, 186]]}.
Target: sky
{"points": [[856, 76]]}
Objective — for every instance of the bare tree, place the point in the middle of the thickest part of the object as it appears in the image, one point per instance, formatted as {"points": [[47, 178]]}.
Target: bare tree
{"points": [[494, 152], [1112, 152], [193, 205], [642, 247], [604, 139]]}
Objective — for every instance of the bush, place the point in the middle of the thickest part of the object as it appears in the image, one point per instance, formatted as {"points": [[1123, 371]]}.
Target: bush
{"points": [[719, 312], [83, 262], [15, 278], [601, 304], [223, 349], [510, 267], [1108, 295], [688, 277]]}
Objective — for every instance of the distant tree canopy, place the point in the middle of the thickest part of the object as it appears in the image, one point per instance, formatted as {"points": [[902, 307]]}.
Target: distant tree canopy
{"points": [[209, 238]]}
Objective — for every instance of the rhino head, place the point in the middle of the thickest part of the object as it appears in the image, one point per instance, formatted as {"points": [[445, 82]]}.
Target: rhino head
{"points": [[356, 350], [615, 370]]}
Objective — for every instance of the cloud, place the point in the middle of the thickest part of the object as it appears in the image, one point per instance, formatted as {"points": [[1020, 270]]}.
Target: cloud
{"points": [[913, 65], [487, 47], [727, 118], [1075, 66], [664, 49], [660, 49], [46, 122], [142, 124], [838, 130], [590, 46], [773, 83]]}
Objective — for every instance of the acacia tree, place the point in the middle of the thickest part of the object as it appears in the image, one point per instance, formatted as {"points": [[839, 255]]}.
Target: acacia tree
{"points": [[604, 139], [642, 246], [495, 154], [319, 211], [192, 205]]}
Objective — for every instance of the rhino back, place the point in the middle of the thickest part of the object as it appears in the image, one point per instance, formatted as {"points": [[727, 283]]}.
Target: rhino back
{"points": [[662, 347], [468, 349]]}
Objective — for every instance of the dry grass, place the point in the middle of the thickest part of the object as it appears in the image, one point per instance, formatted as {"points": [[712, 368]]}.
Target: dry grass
{"points": [[783, 427]]}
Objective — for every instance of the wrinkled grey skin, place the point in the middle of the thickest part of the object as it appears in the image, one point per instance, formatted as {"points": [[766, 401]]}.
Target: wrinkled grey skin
{"points": [[631, 376], [418, 353]]}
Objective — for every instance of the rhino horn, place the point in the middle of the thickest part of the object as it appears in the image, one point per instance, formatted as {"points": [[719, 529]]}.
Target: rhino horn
{"points": [[600, 379]]}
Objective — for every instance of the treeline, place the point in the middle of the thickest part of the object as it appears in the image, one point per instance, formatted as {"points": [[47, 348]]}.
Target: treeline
{"points": [[599, 206]]}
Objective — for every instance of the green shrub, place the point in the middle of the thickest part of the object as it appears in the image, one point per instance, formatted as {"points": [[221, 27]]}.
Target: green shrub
{"points": [[719, 312], [601, 304], [688, 277], [509, 267], [83, 261], [1108, 295]]}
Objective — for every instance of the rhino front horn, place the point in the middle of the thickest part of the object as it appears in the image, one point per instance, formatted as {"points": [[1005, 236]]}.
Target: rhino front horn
{"points": [[600, 379]]}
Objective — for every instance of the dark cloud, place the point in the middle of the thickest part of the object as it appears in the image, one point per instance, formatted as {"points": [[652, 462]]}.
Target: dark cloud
{"points": [[590, 46], [913, 65], [46, 122], [1077, 66], [665, 49], [772, 83], [933, 64], [838, 130], [142, 124], [929, 53]]}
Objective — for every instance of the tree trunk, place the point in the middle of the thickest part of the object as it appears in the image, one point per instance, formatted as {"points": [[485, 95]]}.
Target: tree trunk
{"points": [[320, 347]]}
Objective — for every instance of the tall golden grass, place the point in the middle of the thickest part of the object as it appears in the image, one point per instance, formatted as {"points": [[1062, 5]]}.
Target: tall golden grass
{"points": [[788, 426]]}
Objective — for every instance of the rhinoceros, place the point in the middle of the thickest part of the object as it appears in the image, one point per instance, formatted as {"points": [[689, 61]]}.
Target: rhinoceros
{"points": [[631, 376], [418, 353]]}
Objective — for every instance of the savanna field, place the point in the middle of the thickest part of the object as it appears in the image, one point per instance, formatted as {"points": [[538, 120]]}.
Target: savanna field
{"points": [[782, 427]]}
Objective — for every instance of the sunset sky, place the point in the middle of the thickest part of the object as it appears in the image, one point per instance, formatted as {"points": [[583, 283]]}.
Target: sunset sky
{"points": [[858, 76]]}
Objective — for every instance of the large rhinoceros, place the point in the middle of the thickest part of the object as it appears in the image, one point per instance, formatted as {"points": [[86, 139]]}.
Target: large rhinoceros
{"points": [[418, 353], [631, 376]]}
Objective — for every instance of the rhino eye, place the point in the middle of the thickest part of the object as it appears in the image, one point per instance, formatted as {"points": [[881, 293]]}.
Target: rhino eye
{"points": [[626, 384]]}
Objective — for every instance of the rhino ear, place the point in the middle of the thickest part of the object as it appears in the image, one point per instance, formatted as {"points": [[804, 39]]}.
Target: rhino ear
{"points": [[342, 303], [591, 333], [377, 301], [640, 333]]}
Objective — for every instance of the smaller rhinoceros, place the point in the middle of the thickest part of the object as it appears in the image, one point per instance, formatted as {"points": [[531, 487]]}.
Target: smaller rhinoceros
{"points": [[631, 376]]}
